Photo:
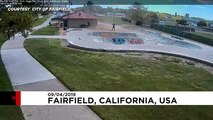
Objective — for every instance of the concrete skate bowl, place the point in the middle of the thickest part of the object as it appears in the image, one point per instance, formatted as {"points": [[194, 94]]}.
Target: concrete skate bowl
{"points": [[142, 41], [158, 39], [118, 38], [148, 38]]}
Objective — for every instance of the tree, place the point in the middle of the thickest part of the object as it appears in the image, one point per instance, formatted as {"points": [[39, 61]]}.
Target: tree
{"points": [[70, 2], [12, 22], [25, 22], [90, 5], [149, 18], [202, 23], [154, 17], [137, 12]]}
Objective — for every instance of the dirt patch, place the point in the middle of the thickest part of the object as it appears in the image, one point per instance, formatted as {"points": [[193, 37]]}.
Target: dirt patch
{"points": [[108, 27]]}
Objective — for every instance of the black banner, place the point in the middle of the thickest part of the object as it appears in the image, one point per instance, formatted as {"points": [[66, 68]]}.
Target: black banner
{"points": [[10, 98]]}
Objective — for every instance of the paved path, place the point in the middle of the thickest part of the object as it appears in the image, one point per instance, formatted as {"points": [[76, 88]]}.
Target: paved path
{"points": [[47, 36], [46, 23], [26, 74]]}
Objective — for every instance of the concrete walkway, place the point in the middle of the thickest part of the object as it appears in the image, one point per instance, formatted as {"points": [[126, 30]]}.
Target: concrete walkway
{"points": [[47, 36], [46, 23], [26, 74]]}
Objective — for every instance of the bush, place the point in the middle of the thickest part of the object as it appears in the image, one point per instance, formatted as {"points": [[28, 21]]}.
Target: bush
{"points": [[202, 23], [83, 26], [127, 20], [138, 23]]}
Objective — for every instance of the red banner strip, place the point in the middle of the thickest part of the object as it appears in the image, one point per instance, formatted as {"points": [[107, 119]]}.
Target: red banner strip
{"points": [[18, 98]]}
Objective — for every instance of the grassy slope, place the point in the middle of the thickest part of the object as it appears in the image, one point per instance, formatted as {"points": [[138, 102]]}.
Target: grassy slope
{"points": [[100, 71], [5, 81], [204, 34], [41, 20], [7, 112], [49, 30]]}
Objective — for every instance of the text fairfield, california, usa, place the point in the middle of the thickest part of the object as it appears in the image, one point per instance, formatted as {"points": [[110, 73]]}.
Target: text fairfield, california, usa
{"points": [[112, 100]]}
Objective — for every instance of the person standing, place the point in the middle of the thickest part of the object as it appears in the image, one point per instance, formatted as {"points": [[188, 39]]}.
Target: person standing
{"points": [[113, 26], [88, 23], [50, 23]]}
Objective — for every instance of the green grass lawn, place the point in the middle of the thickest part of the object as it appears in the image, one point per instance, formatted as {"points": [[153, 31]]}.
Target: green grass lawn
{"points": [[81, 70], [49, 30], [7, 112], [204, 34], [116, 20], [41, 20]]}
